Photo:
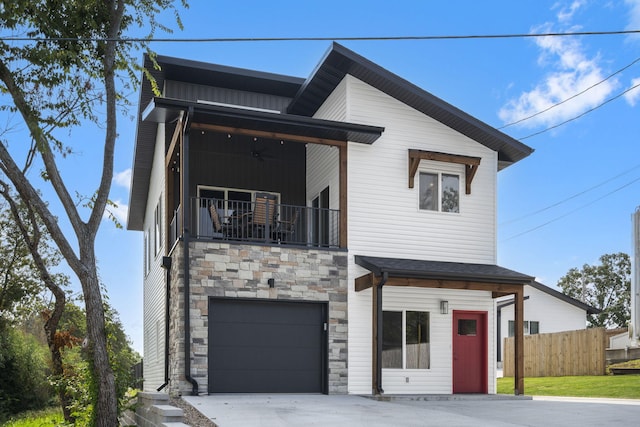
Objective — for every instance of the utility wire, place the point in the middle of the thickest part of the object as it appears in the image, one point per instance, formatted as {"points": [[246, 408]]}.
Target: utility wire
{"points": [[571, 97], [580, 115], [282, 39], [570, 197], [570, 212]]}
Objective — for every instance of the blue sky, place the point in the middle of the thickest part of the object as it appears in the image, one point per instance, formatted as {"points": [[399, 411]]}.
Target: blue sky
{"points": [[565, 205]]}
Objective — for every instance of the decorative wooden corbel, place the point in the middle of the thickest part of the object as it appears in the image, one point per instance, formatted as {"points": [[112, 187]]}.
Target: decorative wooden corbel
{"points": [[471, 164]]}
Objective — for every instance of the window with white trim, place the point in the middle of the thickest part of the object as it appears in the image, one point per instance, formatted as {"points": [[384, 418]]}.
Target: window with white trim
{"points": [[147, 253], [439, 192], [157, 228], [530, 327], [405, 340]]}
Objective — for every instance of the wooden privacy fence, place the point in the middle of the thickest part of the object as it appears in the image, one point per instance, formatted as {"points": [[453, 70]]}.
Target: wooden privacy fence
{"points": [[560, 354]]}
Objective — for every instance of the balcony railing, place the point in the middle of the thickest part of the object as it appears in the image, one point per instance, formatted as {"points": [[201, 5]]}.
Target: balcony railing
{"points": [[261, 221]]}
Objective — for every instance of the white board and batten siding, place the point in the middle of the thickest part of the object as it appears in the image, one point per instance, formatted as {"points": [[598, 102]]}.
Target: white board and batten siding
{"points": [[384, 220], [154, 281]]}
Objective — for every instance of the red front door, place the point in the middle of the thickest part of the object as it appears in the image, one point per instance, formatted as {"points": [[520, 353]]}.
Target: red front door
{"points": [[470, 351]]}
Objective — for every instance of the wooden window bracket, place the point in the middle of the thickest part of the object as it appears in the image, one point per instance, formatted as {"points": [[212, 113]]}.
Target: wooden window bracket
{"points": [[471, 164]]}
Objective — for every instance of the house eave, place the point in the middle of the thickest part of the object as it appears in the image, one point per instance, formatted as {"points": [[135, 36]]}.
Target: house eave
{"points": [[340, 61], [440, 270]]}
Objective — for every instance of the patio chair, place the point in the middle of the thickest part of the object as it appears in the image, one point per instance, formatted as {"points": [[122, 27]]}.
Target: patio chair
{"points": [[263, 215], [286, 230], [219, 229]]}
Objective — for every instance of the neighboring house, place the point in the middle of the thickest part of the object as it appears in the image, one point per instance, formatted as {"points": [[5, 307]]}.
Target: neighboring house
{"points": [[335, 234], [545, 311]]}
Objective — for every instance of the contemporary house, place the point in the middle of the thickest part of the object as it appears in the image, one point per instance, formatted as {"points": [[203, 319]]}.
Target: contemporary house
{"points": [[546, 311], [334, 234]]}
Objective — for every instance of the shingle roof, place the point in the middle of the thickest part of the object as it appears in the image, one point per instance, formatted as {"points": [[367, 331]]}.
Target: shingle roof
{"points": [[441, 270]]}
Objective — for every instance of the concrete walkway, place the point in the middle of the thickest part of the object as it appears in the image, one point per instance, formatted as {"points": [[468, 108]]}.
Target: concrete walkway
{"points": [[320, 410]]}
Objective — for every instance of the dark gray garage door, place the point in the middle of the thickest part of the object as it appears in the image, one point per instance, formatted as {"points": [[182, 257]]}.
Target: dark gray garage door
{"points": [[260, 346]]}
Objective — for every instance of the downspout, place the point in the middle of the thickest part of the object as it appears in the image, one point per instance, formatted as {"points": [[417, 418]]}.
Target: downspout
{"points": [[499, 334], [166, 264], [378, 290], [186, 219]]}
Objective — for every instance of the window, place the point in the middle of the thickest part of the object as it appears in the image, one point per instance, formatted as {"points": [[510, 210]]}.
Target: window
{"points": [[405, 340], [467, 327], [157, 228], [439, 192], [529, 327], [147, 255]]}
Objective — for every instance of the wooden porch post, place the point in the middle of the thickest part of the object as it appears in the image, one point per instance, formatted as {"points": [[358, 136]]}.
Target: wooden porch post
{"points": [[519, 342]]}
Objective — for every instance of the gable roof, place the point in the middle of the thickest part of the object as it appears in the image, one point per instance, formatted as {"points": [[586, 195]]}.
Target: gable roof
{"points": [[554, 293], [566, 298], [307, 95], [340, 61]]}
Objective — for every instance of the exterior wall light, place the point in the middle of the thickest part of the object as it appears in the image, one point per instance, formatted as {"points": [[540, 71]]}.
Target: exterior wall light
{"points": [[444, 307]]}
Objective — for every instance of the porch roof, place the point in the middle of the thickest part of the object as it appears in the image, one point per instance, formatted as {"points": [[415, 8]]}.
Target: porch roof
{"points": [[440, 270], [166, 110]]}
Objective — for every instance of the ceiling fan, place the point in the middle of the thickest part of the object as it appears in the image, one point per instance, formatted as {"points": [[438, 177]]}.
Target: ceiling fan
{"points": [[258, 153]]}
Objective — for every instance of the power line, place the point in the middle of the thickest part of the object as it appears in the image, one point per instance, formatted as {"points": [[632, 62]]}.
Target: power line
{"points": [[573, 211], [571, 97], [570, 197], [580, 115], [283, 39]]}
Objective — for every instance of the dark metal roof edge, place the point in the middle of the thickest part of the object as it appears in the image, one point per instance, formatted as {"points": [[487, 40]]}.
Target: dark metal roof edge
{"points": [[516, 278], [225, 69], [179, 104], [510, 301], [566, 298], [412, 94]]}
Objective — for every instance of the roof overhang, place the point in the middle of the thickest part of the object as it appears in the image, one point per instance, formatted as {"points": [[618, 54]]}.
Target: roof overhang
{"points": [[442, 274], [340, 61], [165, 110], [229, 119]]}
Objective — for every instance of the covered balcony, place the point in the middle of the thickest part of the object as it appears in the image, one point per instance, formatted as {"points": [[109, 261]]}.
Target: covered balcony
{"points": [[238, 175]]}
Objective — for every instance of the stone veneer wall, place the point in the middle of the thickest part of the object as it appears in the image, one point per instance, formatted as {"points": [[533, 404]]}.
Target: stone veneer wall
{"points": [[242, 271]]}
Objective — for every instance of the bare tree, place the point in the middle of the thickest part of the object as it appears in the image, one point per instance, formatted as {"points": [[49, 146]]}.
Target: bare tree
{"points": [[70, 66]]}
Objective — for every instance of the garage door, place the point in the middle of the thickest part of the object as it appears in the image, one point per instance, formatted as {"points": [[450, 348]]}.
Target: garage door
{"points": [[260, 346]]}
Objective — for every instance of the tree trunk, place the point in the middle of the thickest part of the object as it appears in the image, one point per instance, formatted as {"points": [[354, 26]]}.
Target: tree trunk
{"points": [[106, 410]]}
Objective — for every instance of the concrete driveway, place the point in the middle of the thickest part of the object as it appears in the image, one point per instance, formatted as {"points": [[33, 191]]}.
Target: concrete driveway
{"points": [[320, 410]]}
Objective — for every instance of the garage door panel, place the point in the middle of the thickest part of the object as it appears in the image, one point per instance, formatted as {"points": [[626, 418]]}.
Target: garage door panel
{"points": [[258, 346], [244, 335], [265, 358], [268, 382]]}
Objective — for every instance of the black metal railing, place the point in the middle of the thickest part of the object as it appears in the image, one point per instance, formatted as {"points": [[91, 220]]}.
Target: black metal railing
{"points": [[262, 221]]}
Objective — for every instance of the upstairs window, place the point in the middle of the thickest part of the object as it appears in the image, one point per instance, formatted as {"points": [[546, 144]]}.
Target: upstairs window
{"points": [[157, 228], [439, 192]]}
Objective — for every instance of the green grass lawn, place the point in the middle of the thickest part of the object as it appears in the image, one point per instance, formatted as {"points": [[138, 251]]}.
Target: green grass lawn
{"points": [[47, 417], [613, 386]]}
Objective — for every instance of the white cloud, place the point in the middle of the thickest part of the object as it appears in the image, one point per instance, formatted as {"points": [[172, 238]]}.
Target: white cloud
{"points": [[633, 96], [123, 179], [572, 71], [566, 12], [634, 17]]}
